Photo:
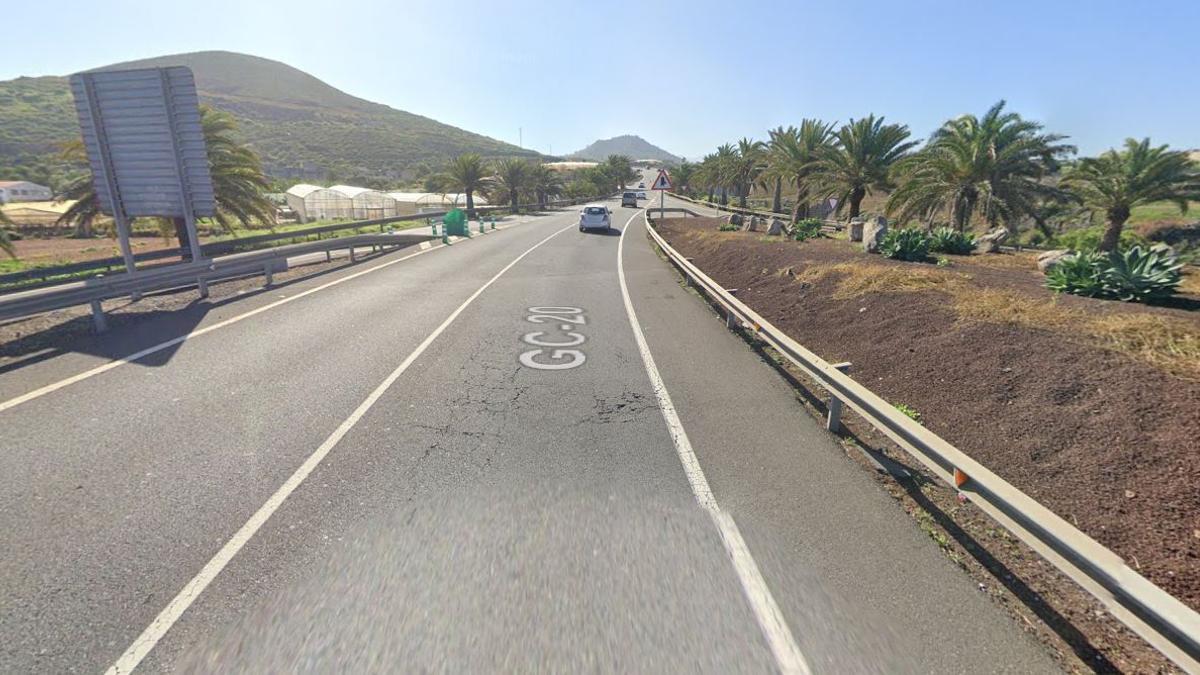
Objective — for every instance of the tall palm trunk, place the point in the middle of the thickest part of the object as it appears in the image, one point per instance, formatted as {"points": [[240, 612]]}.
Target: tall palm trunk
{"points": [[743, 191], [470, 204], [711, 192], [777, 202], [1112, 233], [514, 198], [856, 197]]}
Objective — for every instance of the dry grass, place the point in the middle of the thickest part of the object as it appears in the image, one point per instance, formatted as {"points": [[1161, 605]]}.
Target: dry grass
{"points": [[1190, 283], [1168, 343], [1003, 261], [857, 279]]}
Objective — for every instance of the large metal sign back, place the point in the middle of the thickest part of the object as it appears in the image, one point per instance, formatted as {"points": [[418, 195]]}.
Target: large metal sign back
{"points": [[144, 142]]}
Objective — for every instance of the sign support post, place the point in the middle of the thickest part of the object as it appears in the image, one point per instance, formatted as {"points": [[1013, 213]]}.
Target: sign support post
{"points": [[662, 183]]}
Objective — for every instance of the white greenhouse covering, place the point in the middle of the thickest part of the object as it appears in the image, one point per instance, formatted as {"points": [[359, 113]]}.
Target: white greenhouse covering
{"points": [[417, 202], [368, 204], [313, 202]]}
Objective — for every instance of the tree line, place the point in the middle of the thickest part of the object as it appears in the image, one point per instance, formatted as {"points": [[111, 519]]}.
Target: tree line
{"points": [[516, 180], [998, 169], [240, 184]]}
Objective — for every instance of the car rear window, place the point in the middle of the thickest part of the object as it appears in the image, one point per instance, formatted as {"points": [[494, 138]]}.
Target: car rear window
{"points": [[630, 194], [595, 210]]}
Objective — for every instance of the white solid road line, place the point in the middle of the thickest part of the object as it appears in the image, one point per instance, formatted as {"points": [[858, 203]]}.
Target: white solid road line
{"points": [[79, 377], [173, 611], [770, 619]]}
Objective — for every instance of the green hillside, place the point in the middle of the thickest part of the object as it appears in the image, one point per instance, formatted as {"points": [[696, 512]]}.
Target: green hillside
{"points": [[302, 127]]}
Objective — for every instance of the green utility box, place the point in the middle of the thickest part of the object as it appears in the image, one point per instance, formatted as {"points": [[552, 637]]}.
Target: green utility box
{"points": [[455, 224]]}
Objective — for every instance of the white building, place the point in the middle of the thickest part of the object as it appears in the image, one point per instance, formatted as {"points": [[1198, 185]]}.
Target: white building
{"points": [[23, 191]]}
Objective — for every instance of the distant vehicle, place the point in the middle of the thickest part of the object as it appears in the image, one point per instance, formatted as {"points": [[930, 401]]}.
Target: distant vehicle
{"points": [[629, 199], [641, 195], [595, 217], [641, 185]]}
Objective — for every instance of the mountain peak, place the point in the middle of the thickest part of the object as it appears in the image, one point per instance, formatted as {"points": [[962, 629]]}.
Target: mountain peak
{"points": [[631, 145]]}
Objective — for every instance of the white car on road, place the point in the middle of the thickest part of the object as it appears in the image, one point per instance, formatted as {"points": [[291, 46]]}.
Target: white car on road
{"points": [[594, 217]]}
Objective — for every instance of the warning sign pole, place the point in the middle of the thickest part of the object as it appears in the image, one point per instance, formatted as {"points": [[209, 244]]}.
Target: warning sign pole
{"points": [[662, 184]]}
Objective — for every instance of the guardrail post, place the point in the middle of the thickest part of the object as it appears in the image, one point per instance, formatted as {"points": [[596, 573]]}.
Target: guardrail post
{"points": [[351, 250], [99, 322], [328, 256], [493, 221], [481, 230], [833, 422], [269, 274], [202, 286]]}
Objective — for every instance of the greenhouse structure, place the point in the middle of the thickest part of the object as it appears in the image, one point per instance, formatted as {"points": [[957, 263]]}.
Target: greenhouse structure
{"points": [[313, 202], [422, 202], [368, 204]]}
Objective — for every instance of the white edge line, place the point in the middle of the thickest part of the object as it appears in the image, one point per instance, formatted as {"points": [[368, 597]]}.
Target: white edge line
{"points": [[180, 604], [766, 611], [425, 247]]}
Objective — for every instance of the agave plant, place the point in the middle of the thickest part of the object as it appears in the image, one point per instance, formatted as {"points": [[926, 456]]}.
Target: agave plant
{"points": [[1141, 275], [949, 240], [907, 243], [1078, 274]]}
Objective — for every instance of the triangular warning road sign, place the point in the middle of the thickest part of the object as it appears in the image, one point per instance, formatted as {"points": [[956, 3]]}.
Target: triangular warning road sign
{"points": [[663, 182]]}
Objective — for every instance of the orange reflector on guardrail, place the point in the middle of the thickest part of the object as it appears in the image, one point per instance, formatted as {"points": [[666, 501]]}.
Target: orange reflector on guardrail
{"points": [[960, 478]]}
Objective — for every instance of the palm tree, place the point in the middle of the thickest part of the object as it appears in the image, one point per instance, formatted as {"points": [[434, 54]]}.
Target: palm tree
{"points": [[511, 179], [546, 184], [706, 175], [862, 160], [793, 157], [747, 166], [1118, 180], [620, 169], [681, 176], [467, 174], [237, 176], [84, 212], [725, 163], [995, 166]]}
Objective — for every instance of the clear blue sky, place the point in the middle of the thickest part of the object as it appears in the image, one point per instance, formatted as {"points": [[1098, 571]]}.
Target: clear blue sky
{"points": [[670, 71]]}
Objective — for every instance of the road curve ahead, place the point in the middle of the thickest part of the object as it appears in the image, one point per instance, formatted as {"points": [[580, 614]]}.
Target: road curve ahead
{"points": [[532, 450]]}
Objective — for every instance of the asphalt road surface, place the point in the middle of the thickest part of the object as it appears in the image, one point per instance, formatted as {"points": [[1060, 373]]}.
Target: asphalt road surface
{"points": [[533, 450]]}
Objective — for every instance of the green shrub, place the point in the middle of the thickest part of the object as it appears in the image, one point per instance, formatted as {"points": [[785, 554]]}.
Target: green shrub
{"points": [[905, 244], [1078, 275], [729, 227], [1088, 239], [808, 228], [1134, 275], [948, 240], [943, 261], [909, 412]]}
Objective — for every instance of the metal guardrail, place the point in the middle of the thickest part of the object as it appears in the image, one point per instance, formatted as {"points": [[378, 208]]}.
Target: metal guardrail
{"points": [[200, 274], [264, 261], [230, 245], [826, 223], [1163, 621]]}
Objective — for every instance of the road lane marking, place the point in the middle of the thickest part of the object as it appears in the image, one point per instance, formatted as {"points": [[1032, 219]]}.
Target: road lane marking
{"points": [[180, 604], [138, 355], [766, 611]]}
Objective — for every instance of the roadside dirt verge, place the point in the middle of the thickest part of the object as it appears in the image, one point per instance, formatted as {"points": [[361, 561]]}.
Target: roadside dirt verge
{"points": [[1091, 407]]}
